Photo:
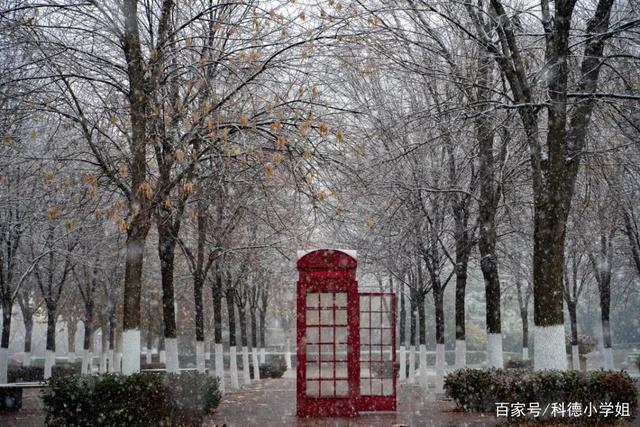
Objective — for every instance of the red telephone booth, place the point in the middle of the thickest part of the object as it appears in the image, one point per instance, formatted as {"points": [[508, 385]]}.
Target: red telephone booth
{"points": [[345, 340]]}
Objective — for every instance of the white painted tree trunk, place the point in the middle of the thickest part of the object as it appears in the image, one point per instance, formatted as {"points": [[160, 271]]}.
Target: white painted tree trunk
{"points": [[608, 358], [71, 357], [103, 362], [287, 356], [171, 345], [26, 360], [423, 365], [233, 367], [130, 351], [117, 362], [461, 354], [4, 364], [403, 364], [49, 361], [263, 355], [200, 356], [86, 362], [549, 348], [256, 364], [575, 357], [162, 356], [494, 351], [207, 350], [219, 356], [147, 355], [525, 353], [440, 365], [412, 365], [110, 357], [246, 377]]}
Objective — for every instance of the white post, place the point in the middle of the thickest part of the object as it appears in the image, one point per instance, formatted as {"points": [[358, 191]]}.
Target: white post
{"points": [[71, 357], [86, 364], [423, 365], [131, 351], [163, 356], [171, 345], [550, 348], [4, 364], [147, 355], [207, 350], [494, 351], [575, 357], [461, 354], [412, 364], [233, 364], [287, 356], [256, 365], [246, 377], [110, 357], [26, 361], [403, 363], [219, 359], [608, 358], [49, 361], [525, 353], [440, 364], [263, 355], [103, 361], [200, 356], [117, 361]]}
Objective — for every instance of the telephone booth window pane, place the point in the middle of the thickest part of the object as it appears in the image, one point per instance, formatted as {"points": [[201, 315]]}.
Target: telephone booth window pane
{"points": [[326, 335], [327, 351], [341, 352], [364, 320], [364, 303], [341, 299], [312, 317], [375, 303], [375, 320], [326, 388], [312, 352], [386, 336], [313, 371], [312, 335], [312, 388], [326, 370], [364, 354], [342, 388], [326, 317], [326, 299], [341, 370], [376, 387], [341, 317], [387, 387], [376, 336], [386, 319], [312, 299], [341, 335], [365, 387]]}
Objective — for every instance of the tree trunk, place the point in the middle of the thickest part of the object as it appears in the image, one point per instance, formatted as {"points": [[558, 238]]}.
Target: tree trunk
{"points": [[166, 252], [198, 284], [402, 335], [50, 353], [242, 315], [422, 316], [231, 318], [262, 327], [438, 301], [216, 295], [28, 331], [4, 345]]}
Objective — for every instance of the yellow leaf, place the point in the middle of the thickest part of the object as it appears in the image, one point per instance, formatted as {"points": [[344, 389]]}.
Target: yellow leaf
{"points": [[92, 191], [281, 141], [48, 177], [268, 170], [179, 154], [145, 190], [307, 153], [123, 170], [53, 213], [69, 224], [188, 187], [244, 120], [167, 202], [97, 214], [323, 129], [123, 225], [340, 136], [302, 16], [277, 159]]}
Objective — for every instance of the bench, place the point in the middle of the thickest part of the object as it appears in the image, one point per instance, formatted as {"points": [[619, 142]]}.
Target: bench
{"points": [[11, 395]]}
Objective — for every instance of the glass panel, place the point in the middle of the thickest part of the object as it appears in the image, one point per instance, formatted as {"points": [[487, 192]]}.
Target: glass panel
{"points": [[376, 387], [341, 370], [326, 335], [341, 352], [312, 317], [386, 303], [364, 303], [341, 335], [313, 370], [326, 317], [341, 299], [342, 388], [341, 317], [375, 320], [386, 336], [312, 352], [326, 389], [312, 388], [376, 336], [364, 353], [326, 299], [364, 320], [326, 370], [327, 351], [365, 336], [312, 335], [365, 388], [375, 303], [312, 299], [387, 387], [386, 319], [386, 370], [389, 353], [365, 370]]}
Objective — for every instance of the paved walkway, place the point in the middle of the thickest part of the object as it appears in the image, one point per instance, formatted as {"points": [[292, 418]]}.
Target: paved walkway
{"points": [[272, 402]]}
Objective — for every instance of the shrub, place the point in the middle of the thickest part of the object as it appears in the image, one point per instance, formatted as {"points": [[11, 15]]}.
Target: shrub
{"points": [[274, 368], [519, 364], [142, 399], [480, 390], [19, 374]]}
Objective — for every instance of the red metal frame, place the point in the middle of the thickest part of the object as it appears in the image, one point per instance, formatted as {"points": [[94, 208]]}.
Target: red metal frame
{"points": [[330, 272]]}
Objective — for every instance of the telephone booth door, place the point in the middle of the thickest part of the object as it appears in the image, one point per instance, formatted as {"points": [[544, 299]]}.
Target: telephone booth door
{"points": [[377, 352]]}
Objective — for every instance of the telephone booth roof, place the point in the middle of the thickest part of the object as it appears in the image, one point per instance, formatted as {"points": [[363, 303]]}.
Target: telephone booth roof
{"points": [[327, 260]]}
